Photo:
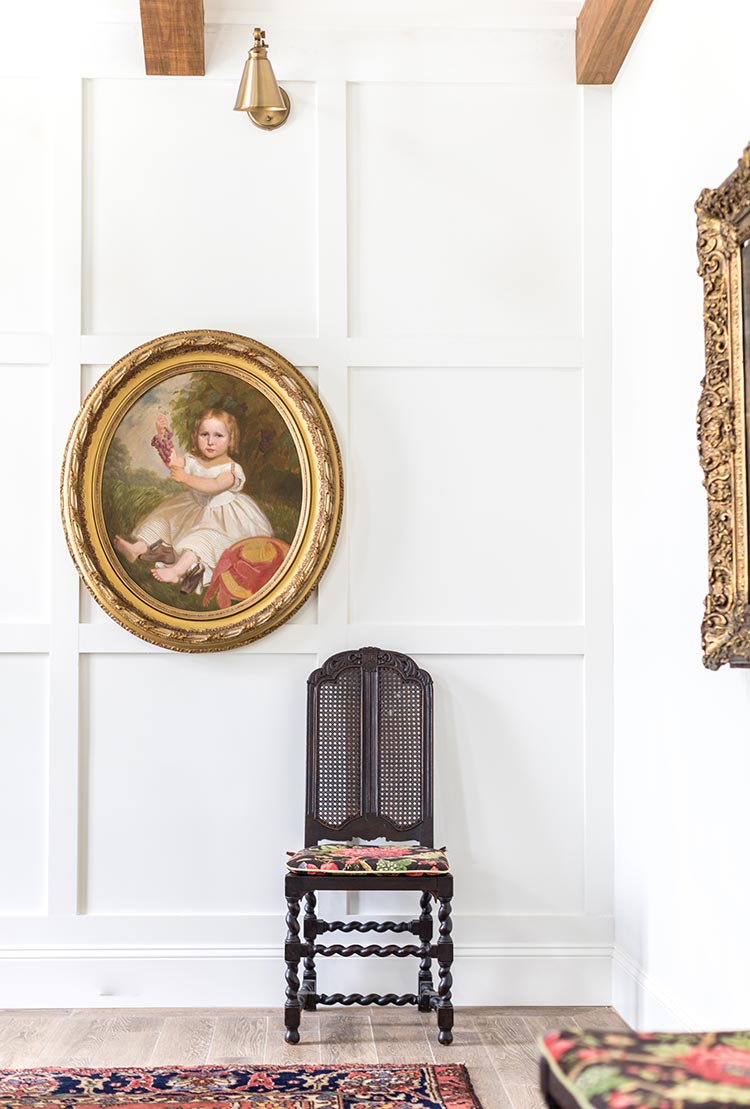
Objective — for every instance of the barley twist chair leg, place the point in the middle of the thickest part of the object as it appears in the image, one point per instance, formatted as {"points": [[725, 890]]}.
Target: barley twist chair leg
{"points": [[292, 1004], [445, 961], [425, 985], [310, 978]]}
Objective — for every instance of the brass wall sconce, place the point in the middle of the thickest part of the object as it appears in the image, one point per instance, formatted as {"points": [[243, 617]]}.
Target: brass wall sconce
{"points": [[259, 95]]}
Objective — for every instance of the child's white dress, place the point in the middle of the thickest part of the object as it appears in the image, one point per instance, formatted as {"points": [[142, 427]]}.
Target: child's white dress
{"points": [[203, 522]]}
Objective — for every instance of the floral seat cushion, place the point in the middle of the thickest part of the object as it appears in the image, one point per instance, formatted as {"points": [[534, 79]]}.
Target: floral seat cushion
{"points": [[658, 1070], [367, 858]]}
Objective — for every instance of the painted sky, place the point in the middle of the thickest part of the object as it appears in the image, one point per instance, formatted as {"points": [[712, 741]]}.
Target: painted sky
{"points": [[138, 425]]}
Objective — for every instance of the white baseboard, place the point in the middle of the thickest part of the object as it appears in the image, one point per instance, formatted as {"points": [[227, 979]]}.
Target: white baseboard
{"points": [[640, 1001], [141, 976]]}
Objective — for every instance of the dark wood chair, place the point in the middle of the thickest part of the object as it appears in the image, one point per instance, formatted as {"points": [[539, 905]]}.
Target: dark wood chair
{"points": [[369, 777]]}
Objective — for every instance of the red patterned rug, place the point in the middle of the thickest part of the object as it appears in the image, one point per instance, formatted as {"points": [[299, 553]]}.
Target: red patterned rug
{"points": [[352, 1087]]}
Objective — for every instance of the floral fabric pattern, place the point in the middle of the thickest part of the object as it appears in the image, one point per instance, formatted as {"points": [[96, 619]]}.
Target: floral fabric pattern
{"points": [[367, 858], [660, 1070], [305, 1087]]}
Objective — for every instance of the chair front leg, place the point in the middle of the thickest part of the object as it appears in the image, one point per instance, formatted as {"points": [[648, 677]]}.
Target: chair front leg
{"points": [[445, 961], [425, 985], [310, 978], [292, 956]]}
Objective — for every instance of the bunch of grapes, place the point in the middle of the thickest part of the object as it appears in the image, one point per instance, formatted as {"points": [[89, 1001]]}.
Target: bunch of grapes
{"points": [[163, 445]]}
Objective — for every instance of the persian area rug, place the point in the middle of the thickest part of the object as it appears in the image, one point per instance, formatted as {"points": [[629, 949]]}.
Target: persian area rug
{"points": [[309, 1087]]}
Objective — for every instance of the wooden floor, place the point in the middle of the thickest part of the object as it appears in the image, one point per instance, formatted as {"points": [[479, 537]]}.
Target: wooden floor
{"points": [[498, 1045]]}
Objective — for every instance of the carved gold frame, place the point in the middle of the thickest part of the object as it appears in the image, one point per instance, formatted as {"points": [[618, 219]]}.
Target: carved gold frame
{"points": [[322, 490], [723, 227]]}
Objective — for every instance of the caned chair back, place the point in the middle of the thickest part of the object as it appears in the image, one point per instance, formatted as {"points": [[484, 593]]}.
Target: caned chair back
{"points": [[369, 748]]}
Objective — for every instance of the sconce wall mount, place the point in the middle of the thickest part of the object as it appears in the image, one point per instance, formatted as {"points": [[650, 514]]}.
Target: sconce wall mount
{"points": [[259, 95]]}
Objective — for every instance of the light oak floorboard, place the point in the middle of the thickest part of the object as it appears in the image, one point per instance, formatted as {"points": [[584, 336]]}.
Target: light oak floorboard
{"points": [[525, 1097], [600, 1019], [238, 1038], [511, 1046], [397, 1036], [308, 1050], [23, 1038], [183, 1039], [346, 1038], [126, 1039], [469, 1047], [92, 1041]]}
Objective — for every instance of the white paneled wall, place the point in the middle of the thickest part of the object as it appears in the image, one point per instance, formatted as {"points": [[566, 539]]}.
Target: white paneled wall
{"points": [[199, 791], [161, 256], [424, 239], [458, 489], [25, 215], [26, 596], [23, 816], [458, 250]]}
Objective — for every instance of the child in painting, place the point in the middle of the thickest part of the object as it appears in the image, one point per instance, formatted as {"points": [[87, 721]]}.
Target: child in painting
{"points": [[186, 534]]}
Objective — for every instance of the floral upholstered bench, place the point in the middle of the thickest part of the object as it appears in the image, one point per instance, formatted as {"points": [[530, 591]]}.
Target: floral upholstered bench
{"points": [[657, 1070]]}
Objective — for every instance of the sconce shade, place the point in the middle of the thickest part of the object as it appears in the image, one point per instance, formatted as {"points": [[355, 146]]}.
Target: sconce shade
{"points": [[259, 94]]}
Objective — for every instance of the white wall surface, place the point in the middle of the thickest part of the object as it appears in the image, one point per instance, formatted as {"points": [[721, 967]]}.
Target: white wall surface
{"points": [[426, 239], [680, 122]]}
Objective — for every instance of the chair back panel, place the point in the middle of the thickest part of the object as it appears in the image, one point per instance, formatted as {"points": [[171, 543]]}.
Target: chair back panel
{"points": [[338, 755], [369, 748]]}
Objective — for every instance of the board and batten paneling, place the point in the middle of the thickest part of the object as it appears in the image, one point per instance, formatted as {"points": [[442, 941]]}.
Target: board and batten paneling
{"points": [[23, 814], [25, 214], [191, 219], [480, 463], [426, 242], [28, 495], [446, 240], [207, 751]]}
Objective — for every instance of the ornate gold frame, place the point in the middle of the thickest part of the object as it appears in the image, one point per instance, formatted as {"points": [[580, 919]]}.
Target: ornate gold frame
{"points": [[723, 227], [256, 366]]}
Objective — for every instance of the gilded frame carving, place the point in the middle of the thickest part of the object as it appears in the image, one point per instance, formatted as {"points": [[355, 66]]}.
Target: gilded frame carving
{"points": [[290, 445], [723, 227]]}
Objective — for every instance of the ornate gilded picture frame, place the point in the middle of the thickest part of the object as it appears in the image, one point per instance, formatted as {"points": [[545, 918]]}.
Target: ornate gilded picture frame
{"points": [[723, 417], [201, 490]]}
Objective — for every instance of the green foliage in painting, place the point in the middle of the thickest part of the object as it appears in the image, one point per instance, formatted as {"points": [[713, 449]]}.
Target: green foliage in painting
{"points": [[129, 494]]}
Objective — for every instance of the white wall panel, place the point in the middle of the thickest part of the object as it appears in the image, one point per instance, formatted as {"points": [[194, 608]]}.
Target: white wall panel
{"points": [[509, 782], [193, 217], [24, 206], [465, 498], [195, 781], [28, 491], [23, 771], [89, 377], [454, 226]]}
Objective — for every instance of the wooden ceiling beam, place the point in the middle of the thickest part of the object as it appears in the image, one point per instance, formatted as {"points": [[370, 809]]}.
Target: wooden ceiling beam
{"points": [[605, 31], [173, 37]]}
